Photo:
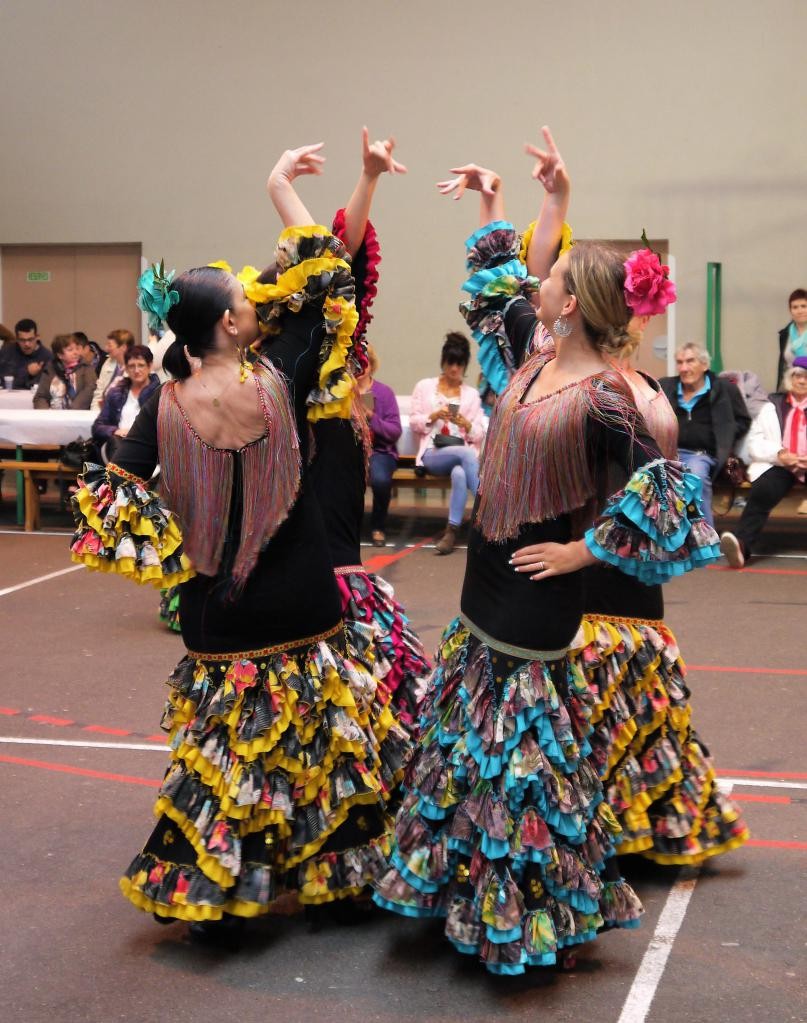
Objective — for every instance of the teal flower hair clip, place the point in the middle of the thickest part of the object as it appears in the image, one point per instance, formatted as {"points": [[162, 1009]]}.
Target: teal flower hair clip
{"points": [[155, 296]]}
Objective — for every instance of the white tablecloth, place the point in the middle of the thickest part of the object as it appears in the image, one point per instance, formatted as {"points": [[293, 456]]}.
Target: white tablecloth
{"points": [[16, 399], [44, 426]]}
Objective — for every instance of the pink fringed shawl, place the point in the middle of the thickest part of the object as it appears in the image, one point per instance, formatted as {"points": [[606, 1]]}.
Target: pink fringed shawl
{"points": [[536, 464], [197, 479]]}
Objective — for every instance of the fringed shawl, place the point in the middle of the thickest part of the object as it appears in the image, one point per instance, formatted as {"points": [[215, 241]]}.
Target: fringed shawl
{"points": [[536, 463], [197, 479]]}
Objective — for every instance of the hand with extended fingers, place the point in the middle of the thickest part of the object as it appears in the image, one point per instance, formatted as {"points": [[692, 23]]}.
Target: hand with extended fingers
{"points": [[478, 179], [296, 162], [548, 559], [549, 167], [377, 156]]}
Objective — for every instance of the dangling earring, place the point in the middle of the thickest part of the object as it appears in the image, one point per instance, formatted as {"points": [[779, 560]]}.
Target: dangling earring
{"points": [[561, 327], [244, 365]]}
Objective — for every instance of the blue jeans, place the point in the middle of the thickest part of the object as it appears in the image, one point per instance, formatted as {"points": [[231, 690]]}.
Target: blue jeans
{"points": [[702, 465], [382, 466], [462, 465]]}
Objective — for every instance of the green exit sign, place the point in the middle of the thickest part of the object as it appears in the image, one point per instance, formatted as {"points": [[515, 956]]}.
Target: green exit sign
{"points": [[38, 276]]}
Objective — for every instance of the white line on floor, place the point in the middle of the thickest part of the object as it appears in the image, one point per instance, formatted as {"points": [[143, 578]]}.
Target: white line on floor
{"points": [[727, 784], [654, 961], [39, 579], [36, 532], [12, 741]]}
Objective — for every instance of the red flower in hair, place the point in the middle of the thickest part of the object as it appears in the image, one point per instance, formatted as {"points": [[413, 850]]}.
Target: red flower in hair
{"points": [[648, 288]]}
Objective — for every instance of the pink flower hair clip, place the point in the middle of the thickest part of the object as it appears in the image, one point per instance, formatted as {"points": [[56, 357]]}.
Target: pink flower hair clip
{"points": [[648, 288]]}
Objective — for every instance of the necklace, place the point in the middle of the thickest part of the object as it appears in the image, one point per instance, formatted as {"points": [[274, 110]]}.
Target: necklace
{"points": [[214, 397]]}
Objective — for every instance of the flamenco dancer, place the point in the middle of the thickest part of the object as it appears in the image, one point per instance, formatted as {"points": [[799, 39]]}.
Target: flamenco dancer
{"points": [[503, 829], [658, 775], [284, 754], [342, 446]]}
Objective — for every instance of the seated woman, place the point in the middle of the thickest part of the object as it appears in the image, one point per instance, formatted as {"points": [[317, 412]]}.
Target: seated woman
{"points": [[67, 381], [777, 443], [447, 416], [118, 343], [124, 401], [384, 422]]}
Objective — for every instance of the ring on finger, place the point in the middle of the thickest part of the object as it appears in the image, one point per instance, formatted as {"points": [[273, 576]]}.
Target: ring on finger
{"points": [[540, 566]]}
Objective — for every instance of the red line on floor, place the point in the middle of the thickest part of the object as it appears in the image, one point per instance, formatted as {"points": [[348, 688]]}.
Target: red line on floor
{"points": [[743, 798], [83, 771], [759, 571], [8, 711], [379, 561], [760, 774], [159, 737], [746, 671], [103, 730], [762, 843], [46, 719]]}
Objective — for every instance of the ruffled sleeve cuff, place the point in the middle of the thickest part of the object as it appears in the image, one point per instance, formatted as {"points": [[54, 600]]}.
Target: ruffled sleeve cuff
{"points": [[526, 238], [654, 528], [365, 271], [123, 527], [313, 267], [496, 278]]}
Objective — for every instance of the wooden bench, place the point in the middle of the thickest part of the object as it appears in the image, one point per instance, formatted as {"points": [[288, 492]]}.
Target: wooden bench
{"points": [[406, 476], [724, 494], [34, 472]]}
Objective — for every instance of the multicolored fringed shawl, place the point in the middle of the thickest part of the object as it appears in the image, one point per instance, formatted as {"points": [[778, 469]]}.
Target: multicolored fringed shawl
{"points": [[536, 463], [197, 479]]}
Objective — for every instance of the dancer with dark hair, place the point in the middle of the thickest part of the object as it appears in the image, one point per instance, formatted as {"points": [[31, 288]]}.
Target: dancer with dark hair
{"points": [[373, 617], [658, 776], [284, 750]]}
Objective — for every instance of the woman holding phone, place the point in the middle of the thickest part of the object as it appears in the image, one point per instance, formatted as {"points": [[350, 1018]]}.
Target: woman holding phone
{"points": [[447, 416]]}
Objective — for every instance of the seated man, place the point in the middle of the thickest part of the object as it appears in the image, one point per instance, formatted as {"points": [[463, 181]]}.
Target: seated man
{"points": [[777, 443], [25, 359], [712, 417]]}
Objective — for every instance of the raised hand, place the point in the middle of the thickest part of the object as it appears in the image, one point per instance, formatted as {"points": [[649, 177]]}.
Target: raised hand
{"points": [[478, 179], [549, 167], [377, 156], [296, 162]]}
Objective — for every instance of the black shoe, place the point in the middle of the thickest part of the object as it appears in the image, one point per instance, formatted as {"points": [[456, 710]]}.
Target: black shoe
{"points": [[227, 933]]}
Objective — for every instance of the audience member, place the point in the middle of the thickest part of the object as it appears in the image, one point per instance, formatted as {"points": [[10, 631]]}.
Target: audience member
{"points": [[25, 360], [777, 443], [124, 400], [91, 352], [712, 417], [384, 421], [67, 381], [793, 337], [447, 416], [118, 343]]}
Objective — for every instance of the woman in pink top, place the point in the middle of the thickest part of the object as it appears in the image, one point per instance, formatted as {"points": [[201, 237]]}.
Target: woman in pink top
{"points": [[447, 416]]}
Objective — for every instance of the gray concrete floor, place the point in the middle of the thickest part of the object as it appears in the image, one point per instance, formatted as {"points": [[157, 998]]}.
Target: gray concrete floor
{"points": [[89, 650]]}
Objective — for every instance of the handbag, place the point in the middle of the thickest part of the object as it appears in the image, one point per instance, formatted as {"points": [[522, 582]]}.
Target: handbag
{"points": [[447, 440], [734, 472], [77, 452]]}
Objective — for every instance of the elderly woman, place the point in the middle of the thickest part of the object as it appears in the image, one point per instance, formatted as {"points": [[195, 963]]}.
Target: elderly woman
{"points": [[66, 381], [124, 401], [712, 417], [447, 416], [777, 443], [384, 421]]}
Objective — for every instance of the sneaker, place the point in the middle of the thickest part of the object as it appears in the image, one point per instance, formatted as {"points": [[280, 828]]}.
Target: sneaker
{"points": [[732, 549]]}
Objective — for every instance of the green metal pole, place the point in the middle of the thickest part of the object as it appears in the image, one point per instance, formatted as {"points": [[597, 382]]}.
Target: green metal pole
{"points": [[714, 307]]}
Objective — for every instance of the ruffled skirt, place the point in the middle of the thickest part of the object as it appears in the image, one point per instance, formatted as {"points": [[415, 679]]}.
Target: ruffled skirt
{"points": [[283, 765], [503, 830], [400, 659], [658, 776]]}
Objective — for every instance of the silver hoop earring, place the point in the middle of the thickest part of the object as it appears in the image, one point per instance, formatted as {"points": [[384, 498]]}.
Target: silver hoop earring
{"points": [[561, 327]]}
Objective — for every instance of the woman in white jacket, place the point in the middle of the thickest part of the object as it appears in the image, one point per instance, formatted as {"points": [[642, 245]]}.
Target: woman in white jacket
{"points": [[777, 444], [447, 417]]}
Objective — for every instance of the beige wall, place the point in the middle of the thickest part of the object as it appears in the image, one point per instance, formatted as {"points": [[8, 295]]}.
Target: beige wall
{"points": [[158, 121]]}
